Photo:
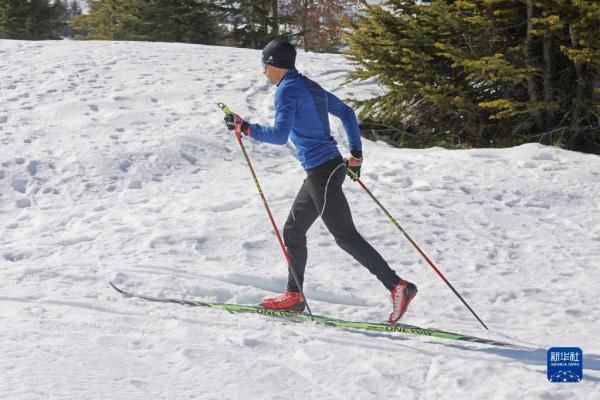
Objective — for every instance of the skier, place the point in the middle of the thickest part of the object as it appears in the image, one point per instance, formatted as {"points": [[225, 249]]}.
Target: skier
{"points": [[301, 114]]}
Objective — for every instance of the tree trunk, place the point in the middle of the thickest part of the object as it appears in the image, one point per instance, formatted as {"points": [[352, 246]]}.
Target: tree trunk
{"points": [[579, 89], [529, 60], [275, 25], [548, 87], [305, 34], [251, 25]]}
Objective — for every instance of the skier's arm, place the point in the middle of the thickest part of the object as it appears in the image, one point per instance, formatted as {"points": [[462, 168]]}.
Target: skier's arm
{"points": [[344, 112], [285, 113]]}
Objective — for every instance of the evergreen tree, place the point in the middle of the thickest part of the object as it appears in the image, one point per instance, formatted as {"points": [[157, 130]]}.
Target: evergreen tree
{"points": [[480, 72], [107, 20], [253, 22], [3, 19], [73, 9], [188, 21], [31, 20]]}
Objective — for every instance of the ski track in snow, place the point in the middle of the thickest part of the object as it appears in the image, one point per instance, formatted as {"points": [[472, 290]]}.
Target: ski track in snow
{"points": [[115, 165]]}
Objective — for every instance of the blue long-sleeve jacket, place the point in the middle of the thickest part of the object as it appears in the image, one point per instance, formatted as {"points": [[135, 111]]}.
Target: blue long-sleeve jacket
{"points": [[301, 114]]}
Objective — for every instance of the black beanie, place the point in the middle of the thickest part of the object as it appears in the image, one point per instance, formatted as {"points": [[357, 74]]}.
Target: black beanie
{"points": [[279, 53]]}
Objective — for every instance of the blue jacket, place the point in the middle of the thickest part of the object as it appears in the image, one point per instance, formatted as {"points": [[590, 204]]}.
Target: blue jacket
{"points": [[301, 114]]}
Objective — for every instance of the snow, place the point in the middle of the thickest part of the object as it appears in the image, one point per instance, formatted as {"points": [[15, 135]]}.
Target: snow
{"points": [[115, 165]]}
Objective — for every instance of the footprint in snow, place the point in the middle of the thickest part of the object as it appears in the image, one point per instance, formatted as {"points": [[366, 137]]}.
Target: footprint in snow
{"points": [[529, 165], [545, 157], [483, 155], [125, 165], [537, 204], [15, 256], [227, 206], [23, 203], [32, 167], [135, 185], [19, 184], [189, 158]]}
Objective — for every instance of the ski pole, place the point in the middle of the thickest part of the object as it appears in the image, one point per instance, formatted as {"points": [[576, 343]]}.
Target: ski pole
{"points": [[431, 264], [238, 135]]}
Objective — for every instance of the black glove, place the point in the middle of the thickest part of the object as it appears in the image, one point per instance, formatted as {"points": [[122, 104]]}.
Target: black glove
{"points": [[231, 120], [353, 164]]}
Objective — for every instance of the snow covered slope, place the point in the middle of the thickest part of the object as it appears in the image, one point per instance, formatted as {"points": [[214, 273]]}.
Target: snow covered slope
{"points": [[115, 165]]}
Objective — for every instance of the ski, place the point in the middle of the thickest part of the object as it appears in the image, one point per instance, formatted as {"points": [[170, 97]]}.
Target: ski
{"points": [[300, 317]]}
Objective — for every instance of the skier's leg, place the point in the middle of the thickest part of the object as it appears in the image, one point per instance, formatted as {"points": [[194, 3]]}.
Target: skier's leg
{"points": [[301, 217], [325, 188]]}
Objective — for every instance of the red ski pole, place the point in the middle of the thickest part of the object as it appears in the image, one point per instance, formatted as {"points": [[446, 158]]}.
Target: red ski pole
{"points": [[431, 264], [238, 135]]}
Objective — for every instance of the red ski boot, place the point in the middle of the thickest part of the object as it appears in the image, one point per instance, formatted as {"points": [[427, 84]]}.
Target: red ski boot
{"points": [[286, 301], [402, 295]]}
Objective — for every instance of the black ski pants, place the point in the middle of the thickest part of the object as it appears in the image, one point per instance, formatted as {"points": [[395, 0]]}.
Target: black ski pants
{"points": [[321, 195]]}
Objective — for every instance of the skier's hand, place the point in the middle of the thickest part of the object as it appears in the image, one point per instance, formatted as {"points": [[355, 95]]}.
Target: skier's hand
{"points": [[353, 164], [231, 120]]}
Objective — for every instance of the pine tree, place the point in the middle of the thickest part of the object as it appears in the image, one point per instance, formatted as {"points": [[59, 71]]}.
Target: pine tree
{"points": [[106, 21], [582, 48], [253, 22], [188, 21], [4, 19], [479, 72], [73, 9], [31, 20]]}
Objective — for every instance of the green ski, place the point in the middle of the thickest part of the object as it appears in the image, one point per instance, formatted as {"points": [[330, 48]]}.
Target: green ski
{"points": [[365, 326]]}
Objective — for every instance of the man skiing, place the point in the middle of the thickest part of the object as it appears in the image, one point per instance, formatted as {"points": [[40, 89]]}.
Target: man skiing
{"points": [[301, 115]]}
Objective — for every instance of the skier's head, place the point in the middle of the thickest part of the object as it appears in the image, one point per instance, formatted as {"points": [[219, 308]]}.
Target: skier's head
{"points": [[279, 53], [278, 57]]}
